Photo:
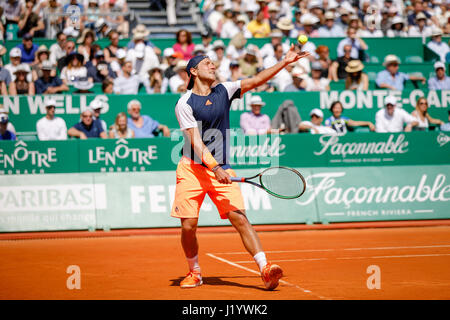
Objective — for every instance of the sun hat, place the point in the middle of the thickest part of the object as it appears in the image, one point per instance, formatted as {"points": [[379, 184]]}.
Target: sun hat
{"points": [[256, 100], [317, 112], [354, 66]]}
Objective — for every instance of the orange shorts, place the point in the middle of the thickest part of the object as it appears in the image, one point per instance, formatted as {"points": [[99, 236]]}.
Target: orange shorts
{"points": [[194, 181]]}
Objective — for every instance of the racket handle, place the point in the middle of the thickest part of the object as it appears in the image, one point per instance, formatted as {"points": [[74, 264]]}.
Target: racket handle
{"points": [[237, 179]]}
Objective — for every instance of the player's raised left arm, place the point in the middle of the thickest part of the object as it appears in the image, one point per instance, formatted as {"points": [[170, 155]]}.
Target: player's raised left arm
{"points": [[269, 73]]}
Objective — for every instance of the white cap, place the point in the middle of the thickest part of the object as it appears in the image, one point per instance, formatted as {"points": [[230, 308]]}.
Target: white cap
{"points": [[121, 53], [390, 100], [50, 102], [15, 52], [140, 50], [317, 112], [256, 100], [3, 118], [439, 64], [168, 52], [96, 104]]}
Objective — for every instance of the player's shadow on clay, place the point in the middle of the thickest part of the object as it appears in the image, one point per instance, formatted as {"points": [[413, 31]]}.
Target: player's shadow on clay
{"points": [[219, 281]]}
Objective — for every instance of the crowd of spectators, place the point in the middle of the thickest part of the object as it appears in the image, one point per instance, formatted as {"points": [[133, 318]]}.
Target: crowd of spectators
{"points": [[76, 62]]}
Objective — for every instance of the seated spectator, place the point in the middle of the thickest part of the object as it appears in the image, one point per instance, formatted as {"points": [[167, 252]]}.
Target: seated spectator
{"points": [[274, 14], [15, 56], [5, 134], [372, 30], [21, 85], [236, 47], [156, 83], [436, 44], [298, 81], [420, 29], [12, 10], [69, 47], [108, 86], [143, 59], [184, 44], [309, 21], [141, 33], [358, 46], [127, 83], [221, 62], [316, 82], [87, 127], [397, 28], [418, 8], [446, 126], [51, 127], [48, 84], [30, 22], [110, 51], [85, 43], [120, 22], [282, 78], [42, 54], [5, 76], [268, 49], [356, 78], [441, 81], [251, 63], [98, 69], [28, 49], [393, 119], [120, 128], [259, 27], [337, 68], [230, 28], [422, 116], [116, 66], [287, 28], [54, 21], [9, 126], [342, 124], [241, 22], [235, 71], [254, 122], [206, 43], [315, 126], [96, 106], [215, 16], [142, 125], [324, 59], [172, 59], [391, 78], [83, 86], [74, 69], [178, 83], [330, 29]]}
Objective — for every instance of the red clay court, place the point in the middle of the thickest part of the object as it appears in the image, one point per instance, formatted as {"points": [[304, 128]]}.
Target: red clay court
{"points": [[149, 264]]}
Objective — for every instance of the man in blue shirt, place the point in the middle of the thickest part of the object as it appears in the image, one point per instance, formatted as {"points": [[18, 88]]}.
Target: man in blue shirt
{"points": [[48, 84], [87, 127], [4, 133], [143, 125], [441, 81], [391, 78], [28, 49]]}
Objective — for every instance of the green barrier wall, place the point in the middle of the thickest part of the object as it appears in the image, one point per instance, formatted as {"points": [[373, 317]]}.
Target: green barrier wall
{"points": [[161, 154], [143, 200], [25, 111]]}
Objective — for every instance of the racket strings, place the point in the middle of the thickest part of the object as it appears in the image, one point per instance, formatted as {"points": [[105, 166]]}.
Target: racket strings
{"points": [[283, 182]]}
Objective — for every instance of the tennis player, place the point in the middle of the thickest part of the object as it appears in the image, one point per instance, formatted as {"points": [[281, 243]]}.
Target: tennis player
{"points": [[203, 115]]}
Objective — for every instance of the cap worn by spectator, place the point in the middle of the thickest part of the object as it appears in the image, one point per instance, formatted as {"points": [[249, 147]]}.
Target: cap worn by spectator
{"points": [[23, 67], [96, 104], [436, 32], [329, 15], [83, 83], [397, 20], [99, 24], [47, 65], [140, 50], [285, 24], [316, 66], [15, 53], [121, 53], [42, 49], [273, 6], [4, 118], [314, 4], [199, 48], [390, 100], [298, 72], [276, 33], [241, 18], [218, 44], [50, 103], [438, 65], [309, 19], [182, 65], [257, 101], [354, 66], [390, 58], [421, 16], [316, 112]]}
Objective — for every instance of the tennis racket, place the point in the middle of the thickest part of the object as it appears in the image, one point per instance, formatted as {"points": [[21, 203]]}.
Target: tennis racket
{"points": [[280, 182]]}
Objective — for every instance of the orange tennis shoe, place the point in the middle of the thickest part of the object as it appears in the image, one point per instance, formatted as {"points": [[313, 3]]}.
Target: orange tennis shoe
{"points": [[192, 280], [271, 275]]}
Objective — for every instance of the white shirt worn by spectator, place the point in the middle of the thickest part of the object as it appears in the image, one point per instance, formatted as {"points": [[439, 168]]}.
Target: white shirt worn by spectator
{"points": [[414, 31], [268, 51], [234, 53], [175, 82], [124, 85], [149, 61], [54, 129], [214, 19], [386, 123], [283, 78], [440, 49], [321, 129], [229, 30], [370, 34], [56, 53], [312, 85]]}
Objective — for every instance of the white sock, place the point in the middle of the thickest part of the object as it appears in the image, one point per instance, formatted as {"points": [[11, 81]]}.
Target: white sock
{"points": [[193, 264], [260, 259]]}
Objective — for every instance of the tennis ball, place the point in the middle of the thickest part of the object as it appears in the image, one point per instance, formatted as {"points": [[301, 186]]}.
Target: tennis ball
{"points": [[302, 39]]}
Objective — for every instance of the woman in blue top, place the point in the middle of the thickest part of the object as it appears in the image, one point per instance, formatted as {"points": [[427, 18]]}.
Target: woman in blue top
{"points": [[342, 124]]}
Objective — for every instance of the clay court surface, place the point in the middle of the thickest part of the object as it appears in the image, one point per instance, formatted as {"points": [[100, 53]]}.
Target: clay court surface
{"points": [[318, 264]]}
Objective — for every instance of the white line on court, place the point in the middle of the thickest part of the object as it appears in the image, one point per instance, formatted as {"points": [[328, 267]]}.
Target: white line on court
{"points": [[348, 249], [356, 258], [257, 273]]}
